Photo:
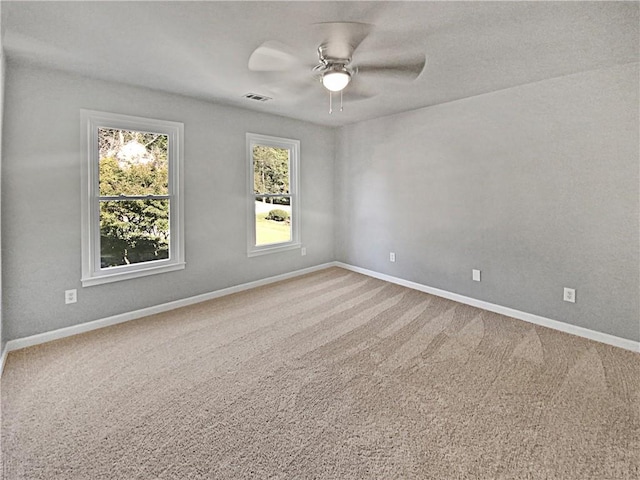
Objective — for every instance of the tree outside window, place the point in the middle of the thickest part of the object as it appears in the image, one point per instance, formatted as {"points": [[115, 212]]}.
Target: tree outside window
{"points": [[274, 200], [132, 197]]}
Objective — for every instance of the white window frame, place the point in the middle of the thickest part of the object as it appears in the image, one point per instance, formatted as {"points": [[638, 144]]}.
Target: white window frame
{"points": [[254, 139], [92, 271]]}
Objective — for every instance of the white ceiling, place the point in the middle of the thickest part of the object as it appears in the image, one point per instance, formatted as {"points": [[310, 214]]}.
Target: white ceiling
{"points": [[201, 49]]}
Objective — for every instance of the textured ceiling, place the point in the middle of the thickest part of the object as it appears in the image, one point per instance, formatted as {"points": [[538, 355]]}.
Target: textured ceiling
{"points": [[201, 49]]}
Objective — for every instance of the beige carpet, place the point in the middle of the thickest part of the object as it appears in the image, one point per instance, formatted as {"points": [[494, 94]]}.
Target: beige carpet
{"points": [[331, 375]]}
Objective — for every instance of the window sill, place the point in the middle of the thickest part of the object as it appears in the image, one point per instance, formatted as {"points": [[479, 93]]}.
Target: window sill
{"points": [[141, 272], [264, 250]]}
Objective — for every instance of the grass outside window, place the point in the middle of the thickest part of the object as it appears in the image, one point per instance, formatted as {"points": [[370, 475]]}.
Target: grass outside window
{"points": [[271, 231]]}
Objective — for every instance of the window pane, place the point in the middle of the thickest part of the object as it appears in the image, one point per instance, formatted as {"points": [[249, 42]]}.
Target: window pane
{"points": [[133, 163], [270, 170], [273, 220], [133, 231]]}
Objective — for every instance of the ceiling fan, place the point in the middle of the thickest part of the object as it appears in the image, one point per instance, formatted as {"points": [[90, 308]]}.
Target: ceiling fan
{"points": [[336, 68]]}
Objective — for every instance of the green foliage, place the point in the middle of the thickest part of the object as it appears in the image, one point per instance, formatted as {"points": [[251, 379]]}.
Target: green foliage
{"points": [[275, 200], [133, 231], [117, 178], [112, 141], [270, 170], [281, 200], [278, 215]]}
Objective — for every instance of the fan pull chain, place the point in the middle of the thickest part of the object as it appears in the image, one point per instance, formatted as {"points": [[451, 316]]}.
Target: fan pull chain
{"points": [[331, 102]]}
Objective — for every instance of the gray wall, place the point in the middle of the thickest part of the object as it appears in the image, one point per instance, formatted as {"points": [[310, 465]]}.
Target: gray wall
{"points": [[536, 185], [2, 71], [41, 199]]}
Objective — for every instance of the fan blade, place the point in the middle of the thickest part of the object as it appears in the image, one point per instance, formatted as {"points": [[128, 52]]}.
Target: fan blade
{"points": [[340, 39], [273, 56], [404, 71], [358, 90]]}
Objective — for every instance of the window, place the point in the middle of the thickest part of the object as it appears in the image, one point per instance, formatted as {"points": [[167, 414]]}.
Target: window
{"points": [[131, 197], [273, 205]]}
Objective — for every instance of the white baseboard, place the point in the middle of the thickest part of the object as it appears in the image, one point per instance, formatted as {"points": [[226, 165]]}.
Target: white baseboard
{"points": [[510, 312], [3, 359], [144, 312], [125, 317]]}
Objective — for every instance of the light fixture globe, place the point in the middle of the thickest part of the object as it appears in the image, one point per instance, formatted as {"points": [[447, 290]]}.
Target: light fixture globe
{"points": [[336, 78]]}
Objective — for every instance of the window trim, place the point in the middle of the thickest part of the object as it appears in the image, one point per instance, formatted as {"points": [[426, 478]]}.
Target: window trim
{"points": [[293, 146], [92, 272]]}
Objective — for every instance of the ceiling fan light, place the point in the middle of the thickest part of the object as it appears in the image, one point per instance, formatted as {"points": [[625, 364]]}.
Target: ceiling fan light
{"points": [[336, 80]]}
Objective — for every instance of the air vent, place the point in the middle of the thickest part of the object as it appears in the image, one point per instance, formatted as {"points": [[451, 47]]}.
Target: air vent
{"points": [[256, 97]]}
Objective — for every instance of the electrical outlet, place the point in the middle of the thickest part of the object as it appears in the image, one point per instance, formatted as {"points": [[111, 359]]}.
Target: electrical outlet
{"points": [[70, 296], [392, 256], [475, 275], [569, 295], [303, 251]]}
